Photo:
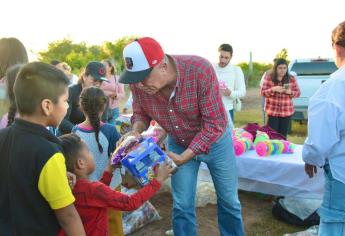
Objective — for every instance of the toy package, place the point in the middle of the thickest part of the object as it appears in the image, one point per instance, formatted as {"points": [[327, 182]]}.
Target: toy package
{"points": [[141, 156]]}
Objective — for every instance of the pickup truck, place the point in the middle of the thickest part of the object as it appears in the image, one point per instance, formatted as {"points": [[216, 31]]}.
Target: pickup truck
{"points": [[310, 73]]}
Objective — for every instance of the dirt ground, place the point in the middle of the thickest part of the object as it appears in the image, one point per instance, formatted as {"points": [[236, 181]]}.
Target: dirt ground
{"points": [[256, 211]]}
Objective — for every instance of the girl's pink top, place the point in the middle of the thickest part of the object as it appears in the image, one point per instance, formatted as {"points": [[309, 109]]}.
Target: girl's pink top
{"points": [[112, 88]]}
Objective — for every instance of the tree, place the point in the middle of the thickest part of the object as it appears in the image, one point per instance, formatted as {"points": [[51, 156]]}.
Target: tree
{"points": [[114, 50], [283, 54], [77, 55]]}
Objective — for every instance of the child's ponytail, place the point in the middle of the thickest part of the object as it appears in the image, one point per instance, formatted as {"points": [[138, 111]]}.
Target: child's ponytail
{"points": [[93, 102]]}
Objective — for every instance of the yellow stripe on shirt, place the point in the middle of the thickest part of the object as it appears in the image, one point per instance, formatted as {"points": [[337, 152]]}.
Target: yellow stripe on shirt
{"points": [[53, 183]]}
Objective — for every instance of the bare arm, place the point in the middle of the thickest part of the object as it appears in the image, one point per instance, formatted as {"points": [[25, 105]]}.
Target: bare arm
{"points": [[70, 221]]}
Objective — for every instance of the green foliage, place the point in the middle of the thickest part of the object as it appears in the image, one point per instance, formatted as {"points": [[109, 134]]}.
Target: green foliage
{"points": [[253, 78], [283, 54], [77, 55]]}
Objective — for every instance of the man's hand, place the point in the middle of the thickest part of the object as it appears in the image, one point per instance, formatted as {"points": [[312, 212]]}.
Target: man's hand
{"points": [[225, 91], [310, 170], [183, 158], [130, 133]]}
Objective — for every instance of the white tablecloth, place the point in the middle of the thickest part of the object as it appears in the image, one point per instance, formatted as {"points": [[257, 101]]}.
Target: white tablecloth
{"points": [[281, 175]]}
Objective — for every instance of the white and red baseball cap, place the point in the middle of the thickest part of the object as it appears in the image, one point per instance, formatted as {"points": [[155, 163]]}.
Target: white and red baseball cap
{"points": [[140, 57]]}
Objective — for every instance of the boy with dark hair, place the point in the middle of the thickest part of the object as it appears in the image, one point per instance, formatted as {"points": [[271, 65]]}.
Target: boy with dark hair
{"points": [[93, 199], [35, 198]]}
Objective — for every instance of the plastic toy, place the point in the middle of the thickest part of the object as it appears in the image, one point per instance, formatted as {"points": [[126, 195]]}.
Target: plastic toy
{"points": [[241, 133], [260, 136], [140, 157], [273, 147], [222, 85], [243, 141], [241, 145]]}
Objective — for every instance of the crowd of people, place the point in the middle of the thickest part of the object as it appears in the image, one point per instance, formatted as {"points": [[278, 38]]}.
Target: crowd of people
{"points": [[56, 140]]}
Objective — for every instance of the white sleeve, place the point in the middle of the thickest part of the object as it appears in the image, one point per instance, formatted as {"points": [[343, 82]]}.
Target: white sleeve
{"points": [[240, 86], [323, 132], [262, 79]]}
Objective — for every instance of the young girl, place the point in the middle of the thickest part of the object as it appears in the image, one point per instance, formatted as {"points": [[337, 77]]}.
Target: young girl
{"points": [[114, 90], [278, 88], [100, 137], [93, 199], [8, 118]]}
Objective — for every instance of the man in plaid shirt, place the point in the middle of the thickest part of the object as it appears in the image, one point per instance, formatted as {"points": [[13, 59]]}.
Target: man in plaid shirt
{"points": [[182, 94]]}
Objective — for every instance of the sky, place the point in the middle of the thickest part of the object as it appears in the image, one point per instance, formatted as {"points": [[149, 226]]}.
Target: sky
{"points": [[181, 26]]}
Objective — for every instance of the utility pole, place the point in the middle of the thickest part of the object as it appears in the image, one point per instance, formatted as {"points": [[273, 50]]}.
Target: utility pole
{"points": [[250, 67]]}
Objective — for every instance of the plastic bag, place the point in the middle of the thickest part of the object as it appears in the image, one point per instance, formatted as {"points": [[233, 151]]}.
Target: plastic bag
{"points": [[134, 220], [205, 194], [237, 104]]}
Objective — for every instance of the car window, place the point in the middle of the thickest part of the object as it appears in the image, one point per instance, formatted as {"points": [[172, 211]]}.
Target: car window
{"points": [[314, 68]]}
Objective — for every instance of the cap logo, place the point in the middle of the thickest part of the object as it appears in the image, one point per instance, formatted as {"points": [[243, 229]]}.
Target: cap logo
{"points": [[101, 71], [129, 63], [154, 62]]}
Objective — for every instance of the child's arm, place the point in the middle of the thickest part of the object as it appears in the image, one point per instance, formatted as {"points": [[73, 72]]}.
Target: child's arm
{"points": [[53, 186], [107, 175], [104, 196], [70, 221]]}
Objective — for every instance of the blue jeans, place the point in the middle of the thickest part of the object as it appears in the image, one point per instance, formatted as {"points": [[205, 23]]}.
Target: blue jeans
{"points": [[231, 112], [332, 210], [222, 165], [113, 114]]}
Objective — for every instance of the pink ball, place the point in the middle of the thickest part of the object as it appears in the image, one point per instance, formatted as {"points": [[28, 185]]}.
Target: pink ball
{"points": [[239, 147], [261, 149]]}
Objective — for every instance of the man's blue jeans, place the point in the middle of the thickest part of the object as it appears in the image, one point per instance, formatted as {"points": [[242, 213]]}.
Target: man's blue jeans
{"points": [[222, 165], [332, 210]]}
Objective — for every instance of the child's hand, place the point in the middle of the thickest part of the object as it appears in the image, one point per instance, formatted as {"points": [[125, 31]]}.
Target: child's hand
{"points": [[72, 179], [110, 167], [165, 171]]}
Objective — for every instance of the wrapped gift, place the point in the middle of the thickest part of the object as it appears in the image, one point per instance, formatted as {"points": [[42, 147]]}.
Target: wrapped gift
{"points": [[140, 157]]}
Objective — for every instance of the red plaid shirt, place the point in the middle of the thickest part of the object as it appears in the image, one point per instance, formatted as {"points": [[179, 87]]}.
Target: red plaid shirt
{"points": [[194, 116], [279, 104], [93, 199]]}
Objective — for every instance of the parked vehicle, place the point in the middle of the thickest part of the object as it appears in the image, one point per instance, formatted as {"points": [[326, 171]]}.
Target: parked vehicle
{"points": [[311, 73]]}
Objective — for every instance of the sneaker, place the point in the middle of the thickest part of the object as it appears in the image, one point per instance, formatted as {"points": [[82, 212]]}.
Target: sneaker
{"points": [[169, 232]]}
